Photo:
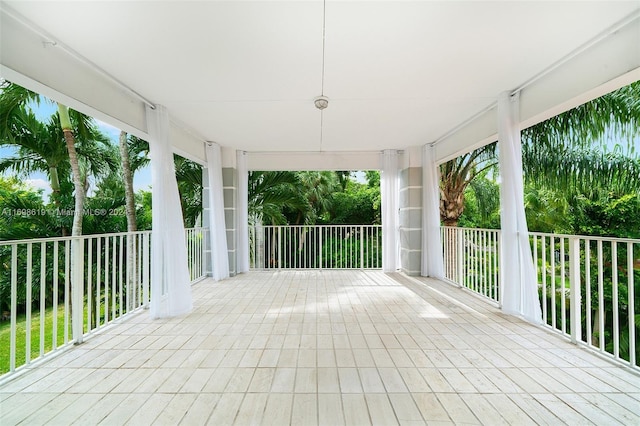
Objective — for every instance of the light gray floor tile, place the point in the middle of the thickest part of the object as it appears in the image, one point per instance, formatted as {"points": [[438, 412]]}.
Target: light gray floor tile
{"points": [[324, 347]]}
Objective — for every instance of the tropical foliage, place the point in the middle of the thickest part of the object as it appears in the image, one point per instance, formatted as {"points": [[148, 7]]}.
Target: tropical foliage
{"points": [[578, 158], [84, 169], [310, 198], [582, 177], [105, 169]]}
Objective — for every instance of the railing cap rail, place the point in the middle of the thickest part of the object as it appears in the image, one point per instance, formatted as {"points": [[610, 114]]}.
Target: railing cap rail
{"points": [[587, 237], [547, 234], [83, 237], [472, 229], [318, 226]]}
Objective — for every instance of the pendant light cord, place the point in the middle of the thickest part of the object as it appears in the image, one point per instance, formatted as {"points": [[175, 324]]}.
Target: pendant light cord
{"points": [[324, 32]]}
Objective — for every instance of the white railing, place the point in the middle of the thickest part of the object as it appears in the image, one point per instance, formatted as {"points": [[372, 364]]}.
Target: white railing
{"points": [[589, 290], [588, 286], [316, 247], [56, 291], [196, 243], [471, 259]]}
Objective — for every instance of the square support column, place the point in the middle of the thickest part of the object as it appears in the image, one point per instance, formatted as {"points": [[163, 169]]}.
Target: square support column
{"points": [[410, 204], [229, 183]]}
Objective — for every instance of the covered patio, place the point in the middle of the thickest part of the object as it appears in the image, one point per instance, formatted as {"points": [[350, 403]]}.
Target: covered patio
{"points": [[235, 86], [325, 347]]}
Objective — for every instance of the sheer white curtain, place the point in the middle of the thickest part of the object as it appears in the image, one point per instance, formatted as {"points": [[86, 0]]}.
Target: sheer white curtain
{"points": [[389, 192], [432, 260], [242, 226], [170, 283], [518, 276], [217, 226]]}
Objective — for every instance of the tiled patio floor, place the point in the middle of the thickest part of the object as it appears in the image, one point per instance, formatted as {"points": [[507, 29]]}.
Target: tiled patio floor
{"points": [[325, 348]]}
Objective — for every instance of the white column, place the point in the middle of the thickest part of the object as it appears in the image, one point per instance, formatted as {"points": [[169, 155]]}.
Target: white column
{"points": [[242, 224], [432, 259], [217, 227], [170, 283], [389, 192], [517, 273]]}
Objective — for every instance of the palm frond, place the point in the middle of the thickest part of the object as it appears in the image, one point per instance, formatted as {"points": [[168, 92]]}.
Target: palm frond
{"points": [[615, 114], [582, 171]]}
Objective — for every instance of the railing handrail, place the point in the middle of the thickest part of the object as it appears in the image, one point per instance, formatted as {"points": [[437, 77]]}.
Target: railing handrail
{"points": [[318, 226], [79, 237], [553, 234], [473, 229], [70, 238], [586, 237]]}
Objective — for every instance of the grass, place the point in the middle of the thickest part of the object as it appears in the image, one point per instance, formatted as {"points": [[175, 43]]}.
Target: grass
{"points": [[21, 338]]}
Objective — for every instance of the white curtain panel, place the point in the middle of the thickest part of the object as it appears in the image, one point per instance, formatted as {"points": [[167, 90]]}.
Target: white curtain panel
{"points": [[170, 283], [242, 226], [217, 226], [432, 258], [518, 276], [389, 192]]}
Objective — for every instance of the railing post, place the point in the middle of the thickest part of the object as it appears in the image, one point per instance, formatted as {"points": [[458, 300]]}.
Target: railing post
{"points": [[77, 289], [13, 307], [146, 271], [631, 308], [279, 247], [361, 247], [459, 232], [575, 304], [203, 252], [320, 247]]}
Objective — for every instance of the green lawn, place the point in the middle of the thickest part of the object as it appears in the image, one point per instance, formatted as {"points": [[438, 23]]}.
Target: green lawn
{"points": [[5, 336]]}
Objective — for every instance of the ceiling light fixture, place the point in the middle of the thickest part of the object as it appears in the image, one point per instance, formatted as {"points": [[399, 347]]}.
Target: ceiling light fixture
{"points": [[321, 102]]}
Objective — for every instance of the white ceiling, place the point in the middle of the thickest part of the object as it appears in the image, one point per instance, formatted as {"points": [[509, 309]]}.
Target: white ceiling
{"points": [[398, 74]]}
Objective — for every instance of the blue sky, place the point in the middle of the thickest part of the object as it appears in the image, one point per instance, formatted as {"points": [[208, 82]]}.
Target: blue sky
{"points": [[38, 180]]}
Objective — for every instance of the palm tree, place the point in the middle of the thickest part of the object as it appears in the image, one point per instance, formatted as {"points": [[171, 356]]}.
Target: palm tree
{"points": [[269, 193], [316, 189], [189, 177], [455, 177], [569, 152], [560, 153], [78, 184], [343, 178], [79, 133], [37, 150], [580, 171]]}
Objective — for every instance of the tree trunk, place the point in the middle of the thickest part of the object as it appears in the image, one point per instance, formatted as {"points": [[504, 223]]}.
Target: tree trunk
{"points": [[128, 184], [55, 185], [70, 140], [130, 209], [451, 204], [77, 282]]}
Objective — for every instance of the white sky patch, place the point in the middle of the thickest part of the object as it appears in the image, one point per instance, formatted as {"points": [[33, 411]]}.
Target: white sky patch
{"points": [[142, 179], [111, 131], [40, 184], [359, 176]]}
